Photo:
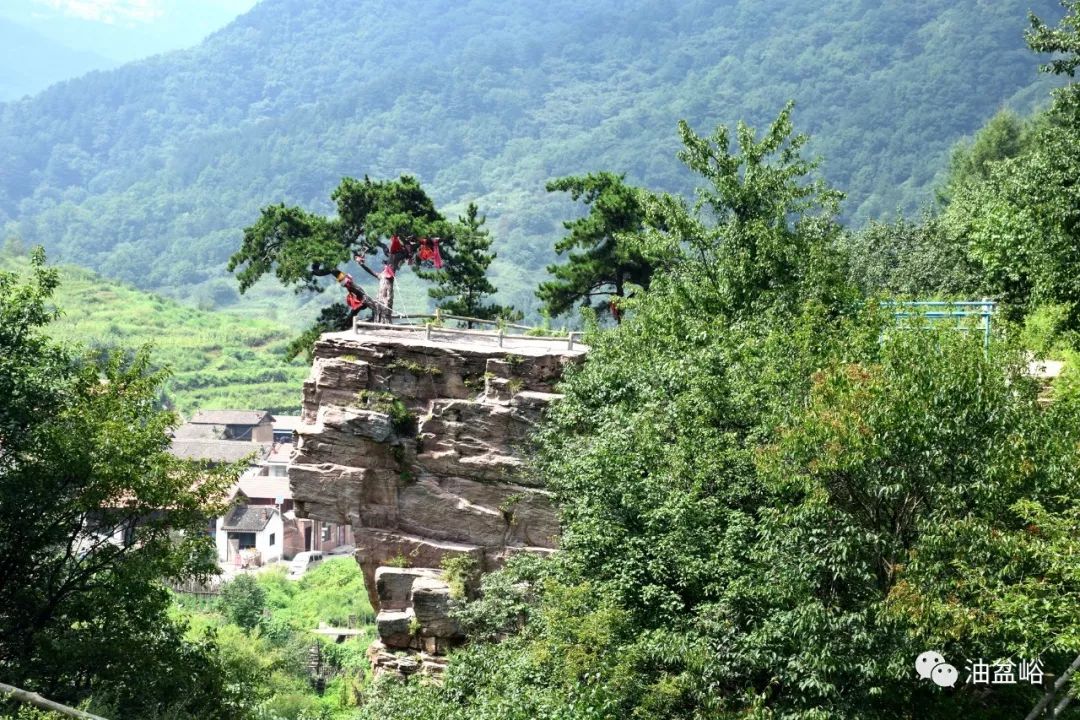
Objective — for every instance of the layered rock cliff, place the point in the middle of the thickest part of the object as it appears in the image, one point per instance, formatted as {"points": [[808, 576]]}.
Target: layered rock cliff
{"points": [[418, 442]]}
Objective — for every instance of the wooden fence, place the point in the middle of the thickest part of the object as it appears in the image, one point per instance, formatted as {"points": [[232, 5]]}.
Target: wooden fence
{"points": [[208, 589]]}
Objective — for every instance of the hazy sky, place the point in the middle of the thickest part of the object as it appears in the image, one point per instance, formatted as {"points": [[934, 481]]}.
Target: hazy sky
{"points": [[123, 30]]}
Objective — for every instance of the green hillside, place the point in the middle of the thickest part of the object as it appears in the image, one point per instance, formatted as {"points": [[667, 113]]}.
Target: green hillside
{"points": [[146, 173], [217, 359]]}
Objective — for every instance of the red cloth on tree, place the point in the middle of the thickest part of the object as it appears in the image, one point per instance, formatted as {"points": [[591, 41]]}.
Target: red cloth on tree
{"points": [[426, 254], [437, 256], [395, 245]]}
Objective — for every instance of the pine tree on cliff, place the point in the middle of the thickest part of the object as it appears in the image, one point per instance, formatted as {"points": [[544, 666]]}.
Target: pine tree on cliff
{"points": [[600, 262], [375, 221], [463, 285]]}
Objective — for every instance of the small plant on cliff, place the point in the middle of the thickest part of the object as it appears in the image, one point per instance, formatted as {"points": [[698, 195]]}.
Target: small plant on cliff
{"points": [[403, 421], [508, 505], [460, 572], [463, 286], [398, 561], [416, 368], [414, 626]]}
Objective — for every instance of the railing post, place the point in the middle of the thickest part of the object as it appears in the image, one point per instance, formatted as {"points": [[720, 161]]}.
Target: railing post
{"points": [[570, 342], [427, 333], [500, 337]]}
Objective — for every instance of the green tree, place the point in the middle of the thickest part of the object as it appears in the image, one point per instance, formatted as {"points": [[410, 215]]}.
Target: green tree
{"points": [[762, 231], [242, 601], [601, 262], [911, 495], [1021, 216], [1063, 40], [772, 498], [1003, 136], [94, 514], [913, 258], [300, 247], [463, 285]]}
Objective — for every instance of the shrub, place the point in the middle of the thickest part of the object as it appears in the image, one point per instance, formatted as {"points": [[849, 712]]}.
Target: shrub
{"points": [[242, 601]]}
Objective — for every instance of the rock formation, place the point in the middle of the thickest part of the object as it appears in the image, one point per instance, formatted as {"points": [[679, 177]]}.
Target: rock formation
{"points": [[417, 441]]}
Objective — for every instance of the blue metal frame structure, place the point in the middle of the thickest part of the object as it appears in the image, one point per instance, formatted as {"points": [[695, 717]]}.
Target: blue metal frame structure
{"points": [[960, 310]]}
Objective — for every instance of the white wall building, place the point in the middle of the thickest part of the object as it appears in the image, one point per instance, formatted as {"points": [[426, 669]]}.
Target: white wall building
{"points": [[250, 526]]}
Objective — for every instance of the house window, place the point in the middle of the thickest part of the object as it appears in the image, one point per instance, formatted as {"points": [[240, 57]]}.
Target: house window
{"points": [[244, 540], [271, 539]]}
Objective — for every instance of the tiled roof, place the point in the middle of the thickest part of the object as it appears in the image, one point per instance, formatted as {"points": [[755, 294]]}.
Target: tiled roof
{"points": [[264, 487], [230, 417], [222, 451], [248, 518], [189, 431]]}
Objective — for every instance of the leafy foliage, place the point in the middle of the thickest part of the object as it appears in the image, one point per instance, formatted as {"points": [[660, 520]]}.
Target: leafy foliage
{"points": [[1021, 222], [1063, 40], [463, 284], [759, 230], [920, 258], [1009, 227], [94, 513], [269, 660], [606, 264], [242, 601], [774, 499], [1003, 136], [299, 246]]}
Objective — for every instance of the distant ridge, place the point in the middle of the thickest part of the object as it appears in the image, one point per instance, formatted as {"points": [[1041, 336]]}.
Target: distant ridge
{"points": [[30, 62], [147, 172]]}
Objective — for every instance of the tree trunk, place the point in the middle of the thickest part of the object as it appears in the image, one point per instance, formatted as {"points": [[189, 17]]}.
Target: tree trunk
{"points": [[38, 701], [619, 293], [384, 309]]}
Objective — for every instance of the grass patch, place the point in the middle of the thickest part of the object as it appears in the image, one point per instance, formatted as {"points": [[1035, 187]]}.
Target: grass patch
{"points": [[217, 359]]}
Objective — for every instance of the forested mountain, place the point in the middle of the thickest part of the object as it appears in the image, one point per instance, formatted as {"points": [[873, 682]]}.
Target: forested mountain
{"points": [[30, 62], [147, 172]]}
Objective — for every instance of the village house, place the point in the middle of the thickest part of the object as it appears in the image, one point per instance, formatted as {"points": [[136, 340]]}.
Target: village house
{"points": [[285, 427], [240, 425], [263, 518], [261, 525]]}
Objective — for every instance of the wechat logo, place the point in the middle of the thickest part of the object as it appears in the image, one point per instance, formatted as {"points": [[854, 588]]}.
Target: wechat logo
{"points": [[932, 666]]}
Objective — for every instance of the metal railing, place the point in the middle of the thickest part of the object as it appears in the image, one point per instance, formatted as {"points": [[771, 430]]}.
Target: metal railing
{"points": [[501, 337], [982, 311]]}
